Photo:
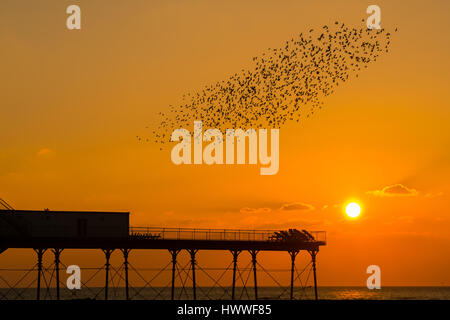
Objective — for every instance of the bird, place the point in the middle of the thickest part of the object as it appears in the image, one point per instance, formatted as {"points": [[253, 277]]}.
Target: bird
{"points": [[288, 83]]}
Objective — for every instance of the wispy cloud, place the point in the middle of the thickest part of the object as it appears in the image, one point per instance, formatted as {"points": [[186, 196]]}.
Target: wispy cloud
{"points": [[396, 190], [247, 210], [45, 152], [297, 206]]}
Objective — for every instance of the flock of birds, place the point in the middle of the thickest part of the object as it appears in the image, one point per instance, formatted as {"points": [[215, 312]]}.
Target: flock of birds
{"points": [[288, 83]]}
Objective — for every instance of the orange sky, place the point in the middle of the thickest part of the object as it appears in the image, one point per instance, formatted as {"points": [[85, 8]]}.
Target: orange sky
{"points": [[72, 103]]}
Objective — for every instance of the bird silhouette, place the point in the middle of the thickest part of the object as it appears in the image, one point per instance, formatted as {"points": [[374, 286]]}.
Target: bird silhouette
{"points": [[288, 83]]}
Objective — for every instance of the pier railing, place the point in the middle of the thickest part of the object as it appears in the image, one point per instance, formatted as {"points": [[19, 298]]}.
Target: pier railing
{"points": [[214, 234]]}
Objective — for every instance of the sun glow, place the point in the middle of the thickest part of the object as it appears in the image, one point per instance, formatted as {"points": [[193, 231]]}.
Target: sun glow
{"points": [[353, 209]]}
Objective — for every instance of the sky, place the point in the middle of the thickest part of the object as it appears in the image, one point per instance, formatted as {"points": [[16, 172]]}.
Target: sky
{"points": [[73, 102]]}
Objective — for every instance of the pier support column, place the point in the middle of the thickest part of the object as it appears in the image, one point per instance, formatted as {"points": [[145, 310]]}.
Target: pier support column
{"points": [[235, 254], [254, 253], [192, 252], [125, 264], [107, 256], [293, 254], [313, 254], [40, 253], [174, 254], [57, 253]]}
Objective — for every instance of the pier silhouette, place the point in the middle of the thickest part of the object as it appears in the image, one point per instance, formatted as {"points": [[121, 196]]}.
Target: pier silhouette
{"points": [[56, 231]]}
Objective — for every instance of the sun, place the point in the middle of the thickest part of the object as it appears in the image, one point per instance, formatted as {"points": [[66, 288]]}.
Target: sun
{"points": [[353, 209]]}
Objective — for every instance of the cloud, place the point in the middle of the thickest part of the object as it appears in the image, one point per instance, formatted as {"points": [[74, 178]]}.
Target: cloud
{"points": [[45, 152], [396, 190], [296, 206], [329, 206], [291, 224], [247, 210]]}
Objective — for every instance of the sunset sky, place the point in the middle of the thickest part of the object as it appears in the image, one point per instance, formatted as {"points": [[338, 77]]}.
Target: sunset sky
{"points": [[73, 102]]}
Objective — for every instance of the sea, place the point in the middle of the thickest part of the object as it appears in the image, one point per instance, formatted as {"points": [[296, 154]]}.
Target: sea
{"points": [[224, 293]]}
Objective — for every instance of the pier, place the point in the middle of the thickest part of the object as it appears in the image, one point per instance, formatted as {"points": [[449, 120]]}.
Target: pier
{"points": [[174, 240]]}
